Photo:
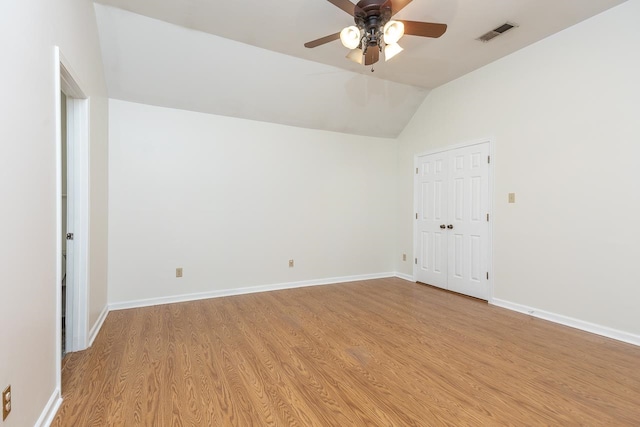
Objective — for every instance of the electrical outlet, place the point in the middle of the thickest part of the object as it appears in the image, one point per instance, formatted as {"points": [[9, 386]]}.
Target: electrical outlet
{"points": [[6, 402], [179, 272], [404, 257], [290, 263]]}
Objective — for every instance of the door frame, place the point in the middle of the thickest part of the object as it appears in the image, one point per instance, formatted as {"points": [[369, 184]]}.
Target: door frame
{"points": [[491, 183], [66, 81]]}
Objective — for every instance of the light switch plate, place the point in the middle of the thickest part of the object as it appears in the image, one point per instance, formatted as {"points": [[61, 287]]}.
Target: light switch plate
{"points": [[512, 197]]}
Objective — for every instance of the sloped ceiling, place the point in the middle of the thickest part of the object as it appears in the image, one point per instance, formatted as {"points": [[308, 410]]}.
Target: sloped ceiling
{"points": [[245, 58]]}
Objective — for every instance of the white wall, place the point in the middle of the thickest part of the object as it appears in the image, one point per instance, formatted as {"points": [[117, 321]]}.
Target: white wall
{"points": [[232, 200], [28, 32], [564, 114]]}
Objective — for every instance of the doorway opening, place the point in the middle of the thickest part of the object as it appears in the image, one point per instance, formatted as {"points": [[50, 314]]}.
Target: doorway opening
{"points": [[72, 187]]}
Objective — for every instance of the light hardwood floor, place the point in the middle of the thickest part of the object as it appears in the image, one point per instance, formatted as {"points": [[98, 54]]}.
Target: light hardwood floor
{"points": [[374, 353]]}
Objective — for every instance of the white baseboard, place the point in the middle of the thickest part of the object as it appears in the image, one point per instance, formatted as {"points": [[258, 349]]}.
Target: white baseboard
{"points": [[404, 277], [50, 410], [569, 321], [246, 290], [96, 327]]}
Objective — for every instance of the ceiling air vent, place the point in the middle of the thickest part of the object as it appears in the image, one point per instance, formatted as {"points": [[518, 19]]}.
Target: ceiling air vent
{"points": [[496, 32]]}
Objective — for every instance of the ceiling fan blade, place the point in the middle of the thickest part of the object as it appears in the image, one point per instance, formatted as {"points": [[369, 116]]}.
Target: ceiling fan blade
{"points": [[372, 55], [322, 40], [398, 5], [424, 29], [345, 5]]}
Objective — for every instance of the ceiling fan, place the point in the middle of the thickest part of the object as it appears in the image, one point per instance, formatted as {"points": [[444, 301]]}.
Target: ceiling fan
{"points": [[374, 31]]}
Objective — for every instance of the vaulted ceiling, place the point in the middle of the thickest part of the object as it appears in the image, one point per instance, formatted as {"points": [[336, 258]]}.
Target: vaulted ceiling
{"points": [[246, 57]]}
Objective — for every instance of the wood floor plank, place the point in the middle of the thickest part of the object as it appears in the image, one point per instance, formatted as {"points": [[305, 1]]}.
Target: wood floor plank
{"points": [[373, 353]]}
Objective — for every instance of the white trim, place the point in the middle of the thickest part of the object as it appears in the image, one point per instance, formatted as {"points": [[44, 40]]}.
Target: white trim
{"points": [[490, 260], [478, 141], [98, 325], [241, 291], [58, 168], [69, 80], [492, 217], [404, 276], [50, 409], [569, 321], [414, 220]]}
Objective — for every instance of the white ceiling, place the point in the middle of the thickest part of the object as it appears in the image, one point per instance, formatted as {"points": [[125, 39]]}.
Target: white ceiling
{"points": [[247, 58]]}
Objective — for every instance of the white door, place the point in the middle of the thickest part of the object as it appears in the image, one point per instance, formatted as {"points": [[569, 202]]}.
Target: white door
{"points": [[432, 178], [69, 314], [452, 197]]}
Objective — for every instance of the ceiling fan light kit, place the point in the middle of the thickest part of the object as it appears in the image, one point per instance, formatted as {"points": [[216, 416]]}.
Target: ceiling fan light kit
{"points": [[393, 31], [356, 55], [350, 37], [392, 50], [374, 31]]}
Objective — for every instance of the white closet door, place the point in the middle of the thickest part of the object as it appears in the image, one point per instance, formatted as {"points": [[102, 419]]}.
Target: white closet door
{"points": [[431, 187], [452, 200], [468, 208]]}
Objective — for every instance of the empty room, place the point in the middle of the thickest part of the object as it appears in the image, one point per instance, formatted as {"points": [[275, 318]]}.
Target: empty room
{"points": [[320, 213]]}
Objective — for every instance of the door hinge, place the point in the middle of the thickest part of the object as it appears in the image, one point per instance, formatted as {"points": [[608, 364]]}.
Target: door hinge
{"points": [[416, 171], [487, 217], [488, 159], [69, 236], [416, 215], [416, 261], [487, 275]]}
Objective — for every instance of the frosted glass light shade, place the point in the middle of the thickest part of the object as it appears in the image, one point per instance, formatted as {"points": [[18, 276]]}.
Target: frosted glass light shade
{"points": [[393, 31], [356, 56], [350, 37], [391, 50]]}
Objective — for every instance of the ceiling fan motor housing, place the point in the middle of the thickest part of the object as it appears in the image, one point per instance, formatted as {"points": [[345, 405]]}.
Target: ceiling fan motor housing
{"points": [[371, 16]]}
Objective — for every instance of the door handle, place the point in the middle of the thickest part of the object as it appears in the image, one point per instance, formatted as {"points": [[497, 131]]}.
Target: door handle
{"points": [[450, 226], [443, 226]]}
